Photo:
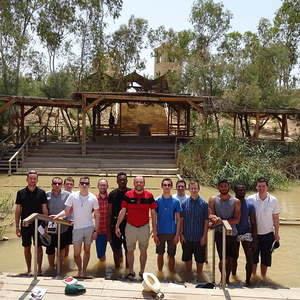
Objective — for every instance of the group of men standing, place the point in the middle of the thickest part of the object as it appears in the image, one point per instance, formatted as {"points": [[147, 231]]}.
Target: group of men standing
{"points": [[122, 218]]}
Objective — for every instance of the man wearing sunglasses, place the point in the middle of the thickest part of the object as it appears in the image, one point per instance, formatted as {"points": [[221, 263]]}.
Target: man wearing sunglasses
{"points": [[56, 203], [168, 225], [83, 204]]}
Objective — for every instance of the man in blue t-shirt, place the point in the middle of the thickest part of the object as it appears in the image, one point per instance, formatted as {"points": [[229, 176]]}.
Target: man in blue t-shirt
{"points": [[247, 231], [168, 225], [194, 227]]}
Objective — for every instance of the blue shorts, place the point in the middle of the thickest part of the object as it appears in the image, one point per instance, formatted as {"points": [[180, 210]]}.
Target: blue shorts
{"points": [[101, 242]]}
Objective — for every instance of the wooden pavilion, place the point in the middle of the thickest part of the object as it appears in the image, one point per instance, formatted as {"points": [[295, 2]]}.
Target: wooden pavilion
{"points": [[148, 93]]}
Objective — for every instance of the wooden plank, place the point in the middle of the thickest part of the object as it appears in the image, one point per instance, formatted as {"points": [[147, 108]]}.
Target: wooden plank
{"points": [[87, 108], [32, 217], [30, 110], [200, 110], [7, 105]]}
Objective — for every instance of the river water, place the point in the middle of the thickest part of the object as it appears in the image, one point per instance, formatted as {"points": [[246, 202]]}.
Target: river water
{"points": [[285, 271]]}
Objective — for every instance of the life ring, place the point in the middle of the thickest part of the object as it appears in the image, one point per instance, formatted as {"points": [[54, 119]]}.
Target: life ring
{"points": [[151, 283]]}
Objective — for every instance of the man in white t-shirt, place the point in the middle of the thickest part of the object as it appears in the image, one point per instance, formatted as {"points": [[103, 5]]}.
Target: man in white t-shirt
{"points": [[267, 219], [83, 204], [180, 187]]}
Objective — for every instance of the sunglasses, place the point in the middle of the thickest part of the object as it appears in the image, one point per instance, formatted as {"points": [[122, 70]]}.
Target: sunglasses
{"points": [[57, 183], [84, 183], [167, 184]]}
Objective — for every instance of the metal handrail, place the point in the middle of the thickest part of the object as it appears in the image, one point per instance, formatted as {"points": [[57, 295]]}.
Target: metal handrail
{"points": [[226, 230], [16, 154], [34, 218]]}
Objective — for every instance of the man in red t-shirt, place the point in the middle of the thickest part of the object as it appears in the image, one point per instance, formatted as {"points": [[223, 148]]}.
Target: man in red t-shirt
{"points": [[137, 204]]}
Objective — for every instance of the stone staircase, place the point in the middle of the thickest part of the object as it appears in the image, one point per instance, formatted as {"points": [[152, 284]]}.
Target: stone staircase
{"points": [[153, 155]]}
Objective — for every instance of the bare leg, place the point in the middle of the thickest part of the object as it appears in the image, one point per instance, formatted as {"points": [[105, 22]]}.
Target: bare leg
{"points": [[235, 259], [263, 270], [67, 250], [143, 260], [117, 258], [77, 257], [130, 257], [27, 255], [188, 266], [39, 259], [160, 262], [254, 268], [171, 263], [86, 257], [51, 259], [249, 260], [199, 269]]}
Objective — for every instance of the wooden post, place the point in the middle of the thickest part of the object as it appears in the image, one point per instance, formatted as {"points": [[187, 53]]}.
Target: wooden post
{"points": [[283, 126], [83, 127], [120, 130], [22, 123], [178, 121], [169, 112], [234, 125], [94, 116], [188, 120]]}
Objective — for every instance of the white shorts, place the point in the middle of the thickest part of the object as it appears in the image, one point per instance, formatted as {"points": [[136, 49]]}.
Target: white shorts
{"points": [[83, 235]]}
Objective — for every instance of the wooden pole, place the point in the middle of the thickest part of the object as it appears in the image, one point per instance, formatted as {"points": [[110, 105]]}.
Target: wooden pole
{"points": [[94, 122], [22, 123], [234, 125], [256, 129], [188, 120], [283, 126], [83, 126]]}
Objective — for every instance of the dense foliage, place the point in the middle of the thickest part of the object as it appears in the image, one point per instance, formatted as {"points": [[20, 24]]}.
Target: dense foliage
{"points": [[210, 159]]}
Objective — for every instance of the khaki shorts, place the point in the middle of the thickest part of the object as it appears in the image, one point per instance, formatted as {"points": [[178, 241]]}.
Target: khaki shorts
{"points": [[134, 234]]}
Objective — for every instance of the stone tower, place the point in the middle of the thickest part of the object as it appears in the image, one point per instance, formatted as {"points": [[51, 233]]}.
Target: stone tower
{"points": [[164, 62]]}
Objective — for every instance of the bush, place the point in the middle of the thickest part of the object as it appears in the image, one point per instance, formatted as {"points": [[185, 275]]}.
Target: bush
{"points": [[236, 159], [6, 212]]}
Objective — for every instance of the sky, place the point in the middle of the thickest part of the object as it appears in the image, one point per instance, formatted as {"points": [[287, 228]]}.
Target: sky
{"points": [[175, 14]]}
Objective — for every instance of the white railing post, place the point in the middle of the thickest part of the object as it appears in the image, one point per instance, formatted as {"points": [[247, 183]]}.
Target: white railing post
{"points": [[223, 256], [35, 247], [58, 249], [213, 257]]}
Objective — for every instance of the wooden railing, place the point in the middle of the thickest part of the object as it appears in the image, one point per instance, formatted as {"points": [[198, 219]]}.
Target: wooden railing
{"points": [[34, 218]]}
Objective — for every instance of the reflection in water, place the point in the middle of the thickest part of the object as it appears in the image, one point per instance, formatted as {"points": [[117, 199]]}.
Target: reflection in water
{"points": [[284, 271]]}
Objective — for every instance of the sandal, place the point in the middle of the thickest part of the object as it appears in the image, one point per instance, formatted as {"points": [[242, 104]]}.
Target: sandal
{"points": [[130, 276], [141, 275]]}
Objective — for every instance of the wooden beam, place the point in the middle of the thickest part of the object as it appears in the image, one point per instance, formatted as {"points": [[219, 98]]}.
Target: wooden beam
{"points": [[97, 101], [200, 110], [7, 105], [83, 127], [30, 110]]}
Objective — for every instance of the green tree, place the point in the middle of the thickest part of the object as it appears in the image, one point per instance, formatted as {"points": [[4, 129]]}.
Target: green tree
{"points": [[125, 45]]}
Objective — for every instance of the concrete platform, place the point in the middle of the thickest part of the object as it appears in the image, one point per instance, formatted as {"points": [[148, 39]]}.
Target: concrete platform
{"points": [[16, 287]]}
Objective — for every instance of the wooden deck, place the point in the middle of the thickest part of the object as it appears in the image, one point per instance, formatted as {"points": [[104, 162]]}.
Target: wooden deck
{"points": [[15, 287]]}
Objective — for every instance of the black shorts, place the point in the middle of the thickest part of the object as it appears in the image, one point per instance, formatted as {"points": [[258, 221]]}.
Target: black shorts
{"points": [[116, 242], [27, 234], [263, 247], [63, 242], [231, 247], [190, 248], [70, 235], [166, 238]]}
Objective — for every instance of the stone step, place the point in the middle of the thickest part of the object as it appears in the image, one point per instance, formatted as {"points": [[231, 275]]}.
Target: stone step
{"points": [[103, 171]]}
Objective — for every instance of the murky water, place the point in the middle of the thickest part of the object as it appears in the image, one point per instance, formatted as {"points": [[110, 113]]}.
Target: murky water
{"points": [[284, 271]]}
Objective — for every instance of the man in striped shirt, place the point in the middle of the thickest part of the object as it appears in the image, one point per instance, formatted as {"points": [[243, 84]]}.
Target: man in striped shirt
{"points": [[102, 227], [194, 227]]}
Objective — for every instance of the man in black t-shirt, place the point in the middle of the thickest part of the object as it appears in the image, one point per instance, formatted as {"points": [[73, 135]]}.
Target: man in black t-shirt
{"points": [[30, 200], [115, 198]]}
